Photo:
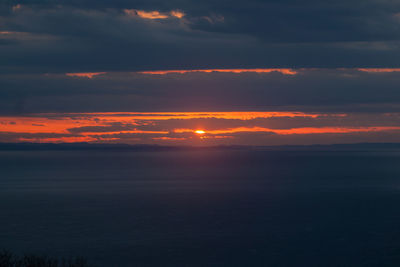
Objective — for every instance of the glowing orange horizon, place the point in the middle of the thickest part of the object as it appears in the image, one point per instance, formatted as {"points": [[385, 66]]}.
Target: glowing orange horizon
{"points": [[302, 130], [164, 126]]}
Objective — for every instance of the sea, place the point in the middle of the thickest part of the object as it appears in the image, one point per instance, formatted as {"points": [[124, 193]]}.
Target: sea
{"points": [[203, 207]]}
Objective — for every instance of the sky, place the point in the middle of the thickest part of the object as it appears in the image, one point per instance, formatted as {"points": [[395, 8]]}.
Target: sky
{"points": [[200, 72]]}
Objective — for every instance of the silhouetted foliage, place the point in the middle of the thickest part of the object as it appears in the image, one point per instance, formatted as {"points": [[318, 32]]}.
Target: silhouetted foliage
{"points": [[8, 259]]}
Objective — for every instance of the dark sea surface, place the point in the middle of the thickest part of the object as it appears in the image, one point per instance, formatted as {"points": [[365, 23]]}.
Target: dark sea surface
{"points": [[203, 208]]}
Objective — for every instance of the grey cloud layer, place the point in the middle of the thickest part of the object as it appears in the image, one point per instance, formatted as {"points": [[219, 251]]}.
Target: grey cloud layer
{"points": [[41, 40], [72, 36], [312, 90]]}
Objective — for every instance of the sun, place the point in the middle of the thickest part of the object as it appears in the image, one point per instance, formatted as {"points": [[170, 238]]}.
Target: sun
{"points": [[200, 132]]}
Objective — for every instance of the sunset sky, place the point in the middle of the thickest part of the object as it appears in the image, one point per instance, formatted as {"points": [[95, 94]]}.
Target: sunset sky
{"points": [[254, 72]]}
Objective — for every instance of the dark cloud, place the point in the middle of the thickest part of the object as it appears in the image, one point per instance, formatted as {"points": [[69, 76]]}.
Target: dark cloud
{"points": [[114, 127], [312, 90], [76, 36], [42, 40], [16, 137]]}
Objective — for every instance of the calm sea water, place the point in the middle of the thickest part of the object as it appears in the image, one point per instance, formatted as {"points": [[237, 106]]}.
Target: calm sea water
{"points": [[203, 208]]}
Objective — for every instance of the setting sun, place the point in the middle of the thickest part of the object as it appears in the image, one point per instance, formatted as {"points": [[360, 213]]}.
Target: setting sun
{"points": [[200, 132]]}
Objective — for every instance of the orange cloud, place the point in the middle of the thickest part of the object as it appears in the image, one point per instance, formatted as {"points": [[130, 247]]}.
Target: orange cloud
{"points": [[154, 14], [232, 115], [60, 123], [333, 130], [169, 138], [59, 139], [379, 70], [216, 137], [164, 72], [30, 124], [178, 14], [170, 126], [151, 14], [89, 75], [120, 132], [305, 130]]}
